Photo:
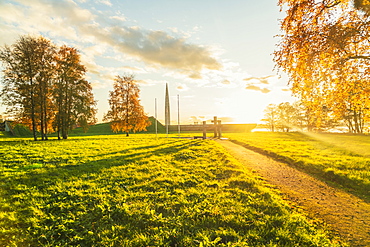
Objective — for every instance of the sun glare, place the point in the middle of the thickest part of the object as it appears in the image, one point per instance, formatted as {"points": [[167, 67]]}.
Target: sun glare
{"points": [[241, 107], [360, 148]]}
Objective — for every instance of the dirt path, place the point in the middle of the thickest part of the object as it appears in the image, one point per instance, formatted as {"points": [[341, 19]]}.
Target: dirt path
{"points": [[344, 213]]}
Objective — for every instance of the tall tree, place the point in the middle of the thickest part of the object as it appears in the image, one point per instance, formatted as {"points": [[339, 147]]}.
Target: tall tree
{"points": [[27, 79], [126, 114], [325, 51], [72, 93], [45, 78], [45, 88]]}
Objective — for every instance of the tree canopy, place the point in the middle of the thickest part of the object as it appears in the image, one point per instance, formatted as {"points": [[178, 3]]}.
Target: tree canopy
{"points": [[126, 114], [44, 86], [324, 49]]}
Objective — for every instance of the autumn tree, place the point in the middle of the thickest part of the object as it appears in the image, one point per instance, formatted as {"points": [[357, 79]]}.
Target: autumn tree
{"points": [[324, 49], [126, 114], [73, 95], [44, 87], [27, 81], [44, 78], [270, 117]]}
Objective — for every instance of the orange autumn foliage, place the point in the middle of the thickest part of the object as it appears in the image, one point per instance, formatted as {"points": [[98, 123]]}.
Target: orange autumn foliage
{"points": [[324, 49], [126, 114]]}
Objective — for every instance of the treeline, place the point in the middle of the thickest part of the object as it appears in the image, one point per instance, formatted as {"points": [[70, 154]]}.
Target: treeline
{"points": [[44, 87], [285, 117]]}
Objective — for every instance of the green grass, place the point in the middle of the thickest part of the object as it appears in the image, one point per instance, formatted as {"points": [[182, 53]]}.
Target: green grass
{"points": [[140, 191], [96, 129], [342, 160], [104, 129]]}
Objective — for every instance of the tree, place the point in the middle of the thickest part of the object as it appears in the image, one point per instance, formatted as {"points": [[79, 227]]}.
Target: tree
{"points": [[27, 81], [44, 78], [287, 116], [270, 117], [126, 114], [45, 88], [282, 117], [73, 94], [324, 50]]}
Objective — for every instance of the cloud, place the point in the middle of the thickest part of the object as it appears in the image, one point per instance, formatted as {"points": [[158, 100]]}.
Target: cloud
{"points": [[150, 82], [106, 2], [262, 80], [65, 19], [118, 18], [131, 69], [142, 82], [256, 88], [255, 82], [182, 87], [160, 49]]}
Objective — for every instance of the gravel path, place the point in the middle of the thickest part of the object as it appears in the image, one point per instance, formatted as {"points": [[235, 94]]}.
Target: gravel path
{"points": [[344, 213]]}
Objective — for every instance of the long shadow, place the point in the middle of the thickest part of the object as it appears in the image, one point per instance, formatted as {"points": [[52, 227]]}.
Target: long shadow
{"points": [[16, 188], [121, 158], [341, 182]]}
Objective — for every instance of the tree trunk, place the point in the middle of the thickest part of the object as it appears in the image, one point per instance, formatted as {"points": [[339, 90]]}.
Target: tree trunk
{"points": [[34, 127], [33, 118], [45, 112], [42, 118]]}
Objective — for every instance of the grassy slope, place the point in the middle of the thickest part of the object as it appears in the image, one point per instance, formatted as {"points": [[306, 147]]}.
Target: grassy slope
{"points": [[139, 191], [97, 129], [336, 158], [104, 129]]}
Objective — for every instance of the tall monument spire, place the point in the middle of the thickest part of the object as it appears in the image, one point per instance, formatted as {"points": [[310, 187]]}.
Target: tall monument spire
{"points": [[167, 110]]}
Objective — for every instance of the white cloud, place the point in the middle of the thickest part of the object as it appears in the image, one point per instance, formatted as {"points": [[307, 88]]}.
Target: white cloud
{"points": [[66, 20], [263, 80], [106, 2], [118, 18], [182, 87], [262, 84], [150, 82]]}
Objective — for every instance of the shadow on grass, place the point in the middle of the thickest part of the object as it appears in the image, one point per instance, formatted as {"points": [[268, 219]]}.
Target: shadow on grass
{"points": [[36, 177], [351, 186], [62, 216]]}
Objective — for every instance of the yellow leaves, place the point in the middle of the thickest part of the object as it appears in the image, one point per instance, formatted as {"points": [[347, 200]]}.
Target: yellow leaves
{"points": [[324, 51], [126, 113]]}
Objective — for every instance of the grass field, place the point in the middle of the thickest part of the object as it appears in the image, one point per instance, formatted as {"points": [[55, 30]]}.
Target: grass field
{"points": [[343, 160], [140, 191]]}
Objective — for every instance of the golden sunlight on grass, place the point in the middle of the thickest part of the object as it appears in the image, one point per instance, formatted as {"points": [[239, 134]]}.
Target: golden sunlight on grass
{"points": [[355, 144]]}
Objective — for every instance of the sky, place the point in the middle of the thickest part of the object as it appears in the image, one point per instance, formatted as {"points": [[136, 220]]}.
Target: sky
{"points": [[215, 55]]}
